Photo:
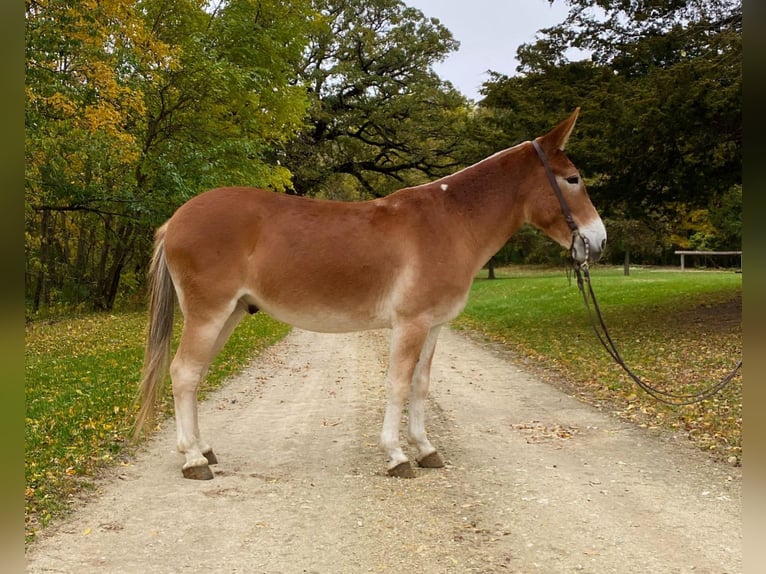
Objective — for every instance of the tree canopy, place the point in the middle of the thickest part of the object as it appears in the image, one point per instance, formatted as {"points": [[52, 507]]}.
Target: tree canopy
{"points": [[660, 134], [134, 106], [379, 117]]}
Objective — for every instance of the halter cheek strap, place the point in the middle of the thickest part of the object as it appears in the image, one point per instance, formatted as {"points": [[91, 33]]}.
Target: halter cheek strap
{"points": [[564, 206]]}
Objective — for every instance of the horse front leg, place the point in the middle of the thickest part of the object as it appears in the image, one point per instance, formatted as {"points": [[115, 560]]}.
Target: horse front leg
{"points": [[406, 343], [427, 456]]}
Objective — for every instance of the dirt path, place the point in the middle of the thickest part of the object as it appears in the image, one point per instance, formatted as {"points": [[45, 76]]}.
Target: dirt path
{"points": [[535, 481]]}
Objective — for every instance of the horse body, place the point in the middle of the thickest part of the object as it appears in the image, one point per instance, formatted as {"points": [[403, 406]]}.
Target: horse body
{"points": [[405, 262], [313, 264]]}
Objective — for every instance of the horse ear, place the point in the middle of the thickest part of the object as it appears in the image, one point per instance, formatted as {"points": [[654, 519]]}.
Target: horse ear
{"points": [[557, 138]]}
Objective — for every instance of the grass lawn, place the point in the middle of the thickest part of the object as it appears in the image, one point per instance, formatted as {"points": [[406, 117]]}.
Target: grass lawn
{"points": [[81, 381], [679, 331]]}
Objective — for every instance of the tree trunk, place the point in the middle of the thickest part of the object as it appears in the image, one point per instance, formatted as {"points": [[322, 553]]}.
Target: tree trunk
{"points": [[109, 281], [115, 273], [626, 264], [491, 267], [40, 296]]}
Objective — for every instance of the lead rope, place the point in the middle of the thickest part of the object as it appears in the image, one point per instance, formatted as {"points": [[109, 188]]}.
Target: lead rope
{"points": [[599, 327], [582, 272]]}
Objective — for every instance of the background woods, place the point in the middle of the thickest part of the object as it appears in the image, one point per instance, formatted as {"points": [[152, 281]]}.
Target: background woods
{"points": [[379, 117], [659, 138], [135, 106]]}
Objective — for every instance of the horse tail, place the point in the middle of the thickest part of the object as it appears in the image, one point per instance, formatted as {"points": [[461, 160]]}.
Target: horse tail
{"points": [[159, 339]]}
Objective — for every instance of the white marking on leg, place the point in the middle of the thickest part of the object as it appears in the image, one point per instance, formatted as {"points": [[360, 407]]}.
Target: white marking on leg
{"points": [[389, 437], [185, 383], [406, 345], [419, 395], [188, 368]]}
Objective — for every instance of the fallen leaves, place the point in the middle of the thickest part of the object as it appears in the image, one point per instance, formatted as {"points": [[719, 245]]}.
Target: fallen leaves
{"points": [[81, 377], [681, 333], [536, 431]]}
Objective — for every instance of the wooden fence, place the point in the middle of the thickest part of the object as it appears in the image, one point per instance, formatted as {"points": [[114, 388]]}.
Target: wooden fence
{"points": [[707, 253]]}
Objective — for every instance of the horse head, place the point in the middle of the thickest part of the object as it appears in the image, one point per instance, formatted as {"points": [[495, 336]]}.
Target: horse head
{"points": [[558, 203]]}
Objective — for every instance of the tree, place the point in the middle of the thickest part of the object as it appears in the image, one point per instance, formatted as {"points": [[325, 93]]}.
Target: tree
{"points": [[673, 106], [611, 31], [132, 108], [79, 150], [379, 117], [661, 97], [726, 217]]}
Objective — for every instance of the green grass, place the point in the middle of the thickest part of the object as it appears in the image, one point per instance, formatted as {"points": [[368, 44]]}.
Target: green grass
{"points": [[679, 331], [81, 377]]}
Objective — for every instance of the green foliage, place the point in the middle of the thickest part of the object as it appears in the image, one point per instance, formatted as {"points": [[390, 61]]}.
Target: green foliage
{"points": [[79, 151], [681, 330], [640, 240], [530, 245], [379, 117], [134, 107], [221, 113], [81, 385], [726, 217], [659, 138], [611, 30]]}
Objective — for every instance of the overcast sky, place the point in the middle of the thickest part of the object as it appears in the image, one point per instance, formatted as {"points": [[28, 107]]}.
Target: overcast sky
{"points": [[489, 32]]}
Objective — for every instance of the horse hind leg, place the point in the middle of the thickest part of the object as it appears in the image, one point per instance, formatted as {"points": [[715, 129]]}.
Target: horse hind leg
{"points": [[200, 342], [231, 323]]}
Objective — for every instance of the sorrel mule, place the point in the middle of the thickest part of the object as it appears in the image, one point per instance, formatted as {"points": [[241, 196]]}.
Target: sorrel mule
{"points": [[405, 262]]}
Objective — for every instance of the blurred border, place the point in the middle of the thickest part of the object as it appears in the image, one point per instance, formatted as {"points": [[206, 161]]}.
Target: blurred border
{"points": [[754, 286], [12, 286]]}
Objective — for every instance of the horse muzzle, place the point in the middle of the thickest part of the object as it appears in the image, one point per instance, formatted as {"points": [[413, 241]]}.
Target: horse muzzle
{"points": [[589, 242]]}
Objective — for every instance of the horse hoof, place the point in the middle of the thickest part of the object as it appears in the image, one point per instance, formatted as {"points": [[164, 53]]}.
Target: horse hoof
{"points": [[210, 456], [201, 472], [433, 460], [402, 470]]}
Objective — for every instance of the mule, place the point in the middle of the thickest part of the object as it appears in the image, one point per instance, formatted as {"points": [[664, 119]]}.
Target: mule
{"points": [[404, 262]]}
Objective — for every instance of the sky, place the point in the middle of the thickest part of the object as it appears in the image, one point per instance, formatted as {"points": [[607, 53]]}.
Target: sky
{"points": [[489, 32]]}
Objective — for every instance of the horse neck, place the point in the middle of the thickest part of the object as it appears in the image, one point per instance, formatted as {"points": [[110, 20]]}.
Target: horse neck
{"points": [[487, 197]]}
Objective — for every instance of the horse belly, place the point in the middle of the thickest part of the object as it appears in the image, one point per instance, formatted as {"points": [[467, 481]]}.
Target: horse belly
{"points": [[324, 300], [363, 307], [336, 314], [334, 319]]}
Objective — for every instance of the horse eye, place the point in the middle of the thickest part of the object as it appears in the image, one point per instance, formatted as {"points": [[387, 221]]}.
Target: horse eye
{"points": [[573, 179]]}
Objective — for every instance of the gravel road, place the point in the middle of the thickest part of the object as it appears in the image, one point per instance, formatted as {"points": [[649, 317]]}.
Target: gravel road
{"points": [[535, 482]]}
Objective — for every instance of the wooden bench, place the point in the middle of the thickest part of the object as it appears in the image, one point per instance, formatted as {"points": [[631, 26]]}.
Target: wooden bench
{"points": [[684, 253]]}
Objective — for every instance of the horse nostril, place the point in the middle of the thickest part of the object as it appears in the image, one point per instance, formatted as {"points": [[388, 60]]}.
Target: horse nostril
{"points": [[603, 244]]}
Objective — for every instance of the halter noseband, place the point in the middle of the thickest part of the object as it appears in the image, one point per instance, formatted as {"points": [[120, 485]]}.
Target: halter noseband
{"points": [[564, 206]]}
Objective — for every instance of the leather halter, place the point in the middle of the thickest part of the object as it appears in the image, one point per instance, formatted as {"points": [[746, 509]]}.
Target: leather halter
{"points": [[597, 320], [564, 205]]}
